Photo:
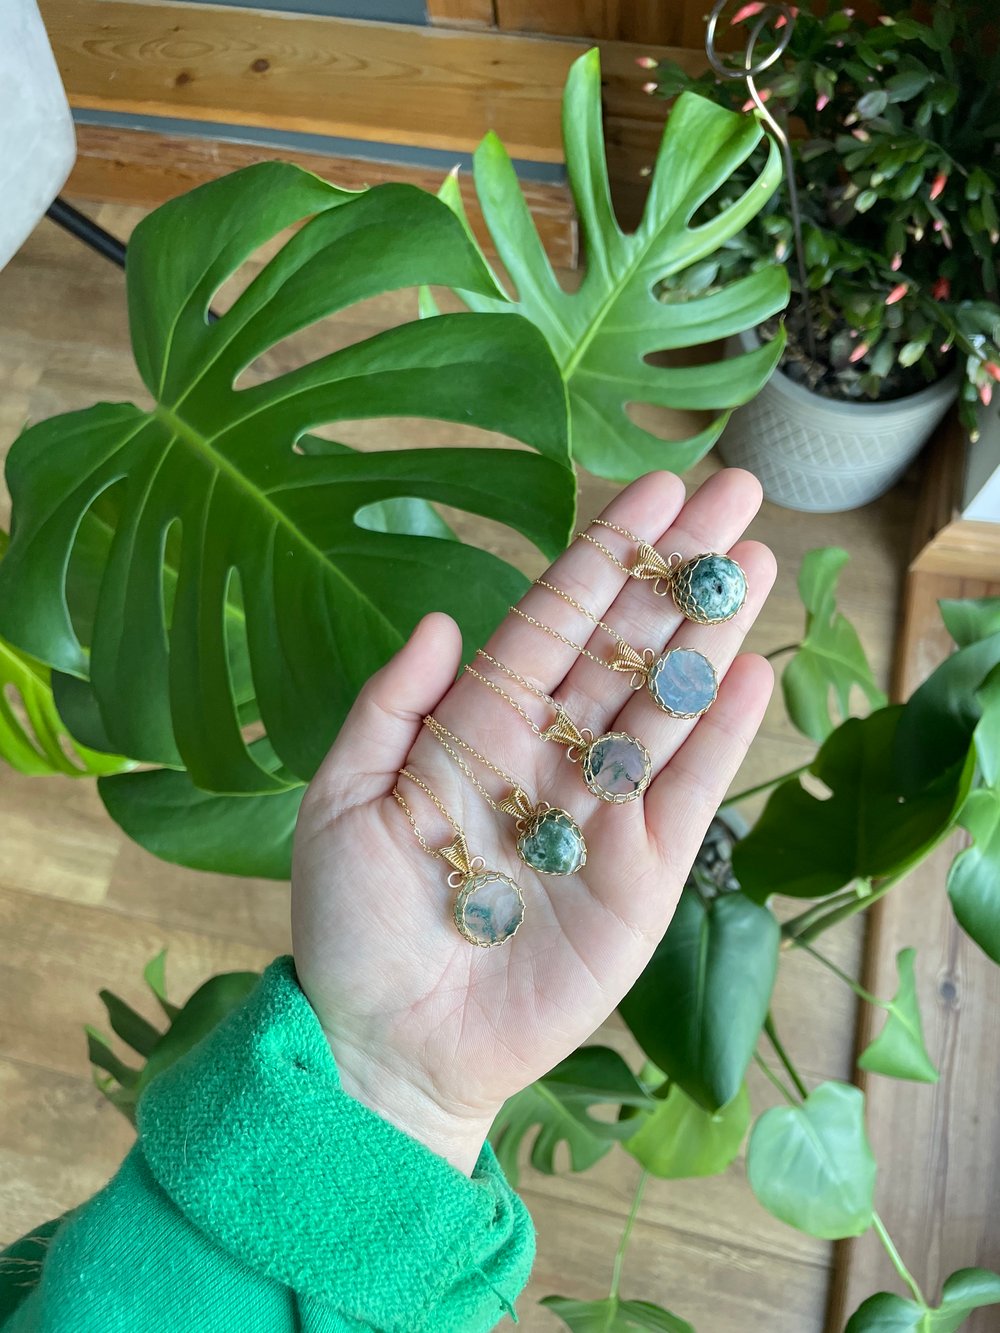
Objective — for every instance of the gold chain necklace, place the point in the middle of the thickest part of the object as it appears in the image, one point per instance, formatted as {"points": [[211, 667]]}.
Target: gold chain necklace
{"points": [[549, 838], [708, 588], [615, 766], [489, 907], [681, 681]]}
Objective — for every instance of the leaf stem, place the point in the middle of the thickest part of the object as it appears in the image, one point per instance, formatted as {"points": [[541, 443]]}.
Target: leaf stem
{"points": [[834, 918], [785, 648], [793, 927], [783, 1056], [858, 989], [897, 1261], [616, 1274], [763, 786], [770, 1074]]}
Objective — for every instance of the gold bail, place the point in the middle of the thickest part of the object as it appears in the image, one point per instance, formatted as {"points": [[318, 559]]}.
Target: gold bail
{"points": [[651, 565], [564, 730], [627, 659], [517, 804], [457, 855]]}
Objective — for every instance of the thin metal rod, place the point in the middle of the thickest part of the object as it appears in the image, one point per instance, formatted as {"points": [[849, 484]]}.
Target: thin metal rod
{"points": [[87, 230], [752, 67]]}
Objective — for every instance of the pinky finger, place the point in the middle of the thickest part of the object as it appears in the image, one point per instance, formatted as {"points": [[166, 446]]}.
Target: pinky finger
{"points": [[682, 801]]}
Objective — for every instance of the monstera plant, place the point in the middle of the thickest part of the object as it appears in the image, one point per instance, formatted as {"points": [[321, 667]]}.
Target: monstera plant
{"points": [[210, 583]]}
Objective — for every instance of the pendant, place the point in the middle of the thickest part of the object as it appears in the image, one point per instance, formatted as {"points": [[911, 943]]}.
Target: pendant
{"points": [[616, 766], [707, 589], [550, 840], [683, 683], [489, 907]]}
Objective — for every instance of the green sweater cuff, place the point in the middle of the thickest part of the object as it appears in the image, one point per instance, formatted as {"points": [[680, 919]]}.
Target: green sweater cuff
{"points": [[256, 1142]]}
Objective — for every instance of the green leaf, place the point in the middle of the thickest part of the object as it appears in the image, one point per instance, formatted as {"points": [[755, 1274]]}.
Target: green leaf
{"points": [[700, 1003], [100, 1054], [830, 657], [218, 482], [911, 352], [970, 619], [873, 103], [965, 1291], [908, 83], [973, 881], [614, 1315], [986, 737], [558, 1106], [939, 720], [602, 332], [155, 975], [680, 1139], [133, 1029], [163, 811], [33, 737], [806, 846], [812, 1166], [899, 1050]]}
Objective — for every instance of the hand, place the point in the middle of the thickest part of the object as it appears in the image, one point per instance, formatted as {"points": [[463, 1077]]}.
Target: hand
{"points": [[428, 1030]]}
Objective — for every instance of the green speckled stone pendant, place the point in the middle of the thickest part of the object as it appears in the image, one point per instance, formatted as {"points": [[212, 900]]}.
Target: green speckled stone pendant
{"points": [[707, 589], [549, 839]]}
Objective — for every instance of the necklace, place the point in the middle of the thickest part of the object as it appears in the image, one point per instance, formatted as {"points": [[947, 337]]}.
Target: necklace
{"points": [[708, 588], [615, 767], [549, 838], [681, 681], [489, 907]]}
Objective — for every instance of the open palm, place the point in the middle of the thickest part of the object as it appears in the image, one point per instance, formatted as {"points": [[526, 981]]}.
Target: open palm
{"points": [[427, 1029]]}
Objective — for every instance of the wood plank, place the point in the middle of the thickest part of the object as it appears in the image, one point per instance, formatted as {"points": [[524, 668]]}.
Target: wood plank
{"points": [[124, 166], [648, 21], [462, 13], [431, 87]]}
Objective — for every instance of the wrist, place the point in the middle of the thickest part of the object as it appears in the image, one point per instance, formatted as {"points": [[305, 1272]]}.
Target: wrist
{"points": [[455, 1133]]}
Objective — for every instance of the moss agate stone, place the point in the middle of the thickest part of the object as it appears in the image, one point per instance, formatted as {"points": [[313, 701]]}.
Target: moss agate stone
{"points": [[616, 767], [489, 908], [553, 844], [709, 589], [683, 682]]}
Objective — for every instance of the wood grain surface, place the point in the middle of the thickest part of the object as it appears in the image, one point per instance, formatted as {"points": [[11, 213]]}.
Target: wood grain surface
{"points": [[81, 907]]}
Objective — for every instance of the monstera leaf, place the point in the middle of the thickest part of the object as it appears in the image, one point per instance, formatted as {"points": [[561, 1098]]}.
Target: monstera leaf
{"points": [[240, 539], [614, 1315], [33, 738], [603, 333], [964, 1292]]}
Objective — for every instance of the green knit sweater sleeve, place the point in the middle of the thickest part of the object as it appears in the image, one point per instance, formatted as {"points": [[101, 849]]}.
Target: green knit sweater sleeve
{"points": [[260, 1197]]}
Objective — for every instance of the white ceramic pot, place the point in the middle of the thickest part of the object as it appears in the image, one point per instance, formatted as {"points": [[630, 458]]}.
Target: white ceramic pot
{"points": [[37, 143], [823, 456]]}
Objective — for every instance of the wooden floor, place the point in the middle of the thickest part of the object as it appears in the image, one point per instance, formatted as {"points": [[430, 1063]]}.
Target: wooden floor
{"points": [[82, 908]]}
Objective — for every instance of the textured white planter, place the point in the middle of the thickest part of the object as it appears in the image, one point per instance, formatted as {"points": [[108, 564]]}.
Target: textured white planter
{"points": [[37, 143], [824, 456]]}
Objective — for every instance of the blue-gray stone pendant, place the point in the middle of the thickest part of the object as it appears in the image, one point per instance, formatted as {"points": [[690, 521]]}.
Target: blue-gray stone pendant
{"points": [[709, 588], [489, 908], [683, 682], [552, 842]]}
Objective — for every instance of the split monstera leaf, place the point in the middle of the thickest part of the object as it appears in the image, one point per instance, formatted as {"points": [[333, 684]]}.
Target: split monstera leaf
{"points": [[210, 583]]}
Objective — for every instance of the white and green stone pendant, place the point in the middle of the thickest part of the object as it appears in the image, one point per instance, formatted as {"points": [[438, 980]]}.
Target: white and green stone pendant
{"points": [[549, 839], [616, 767], [489, 907], [707, 589], [681, 681]]}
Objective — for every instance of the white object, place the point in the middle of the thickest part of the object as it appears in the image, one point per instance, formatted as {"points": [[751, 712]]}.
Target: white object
{"points": [[824, 456], [981, 497], [37, 143]]}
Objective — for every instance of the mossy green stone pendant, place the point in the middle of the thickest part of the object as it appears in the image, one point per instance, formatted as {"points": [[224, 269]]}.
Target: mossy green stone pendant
{"points": [[616, 767], [708, 588], [489, 907]]}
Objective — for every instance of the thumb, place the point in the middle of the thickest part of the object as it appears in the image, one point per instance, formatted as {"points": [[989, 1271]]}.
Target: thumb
{"points": [[385, 720]]}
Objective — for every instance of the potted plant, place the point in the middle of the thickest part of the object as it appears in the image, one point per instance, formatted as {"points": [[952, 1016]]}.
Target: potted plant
{"points": [[893, 144]]}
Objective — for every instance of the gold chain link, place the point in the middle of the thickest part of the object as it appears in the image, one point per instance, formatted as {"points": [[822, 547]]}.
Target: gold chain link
{"points": [[442, 735], [401, 801], [674, 558]]}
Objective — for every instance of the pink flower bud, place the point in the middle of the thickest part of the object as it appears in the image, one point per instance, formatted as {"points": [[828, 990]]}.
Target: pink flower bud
{"points": [[822, 101], [897, 293], [985, 394], [992, 369], [941, 289], [858, 353], [897, 261], [940, 181], [645, 171], [645, 62], [862, 136], [848, 13], [747, 12], [649, 87]]}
